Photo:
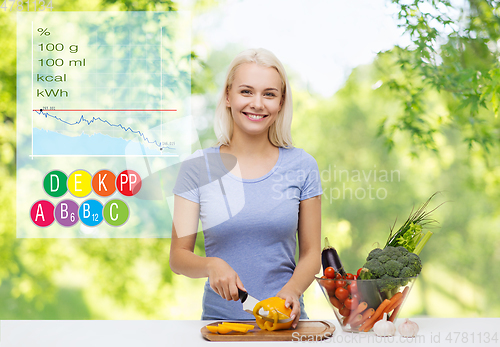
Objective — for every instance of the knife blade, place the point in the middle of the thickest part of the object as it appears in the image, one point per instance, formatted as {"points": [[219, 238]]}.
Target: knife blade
{"points": [[248, 301], [265, 316]]}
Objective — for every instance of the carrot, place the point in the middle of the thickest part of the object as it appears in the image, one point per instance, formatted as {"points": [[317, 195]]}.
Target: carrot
{"points": [[361, 307], [395, 313], [370, 325], [335, 302], [367, 314], [405, 291], [356, 320], [357, 311], [394, 305], [344, 321], [370, 321], [398, 307], [394, 301]]}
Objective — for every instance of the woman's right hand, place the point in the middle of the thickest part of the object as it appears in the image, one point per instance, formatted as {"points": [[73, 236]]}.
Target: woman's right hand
{"points": [[223, 279]]}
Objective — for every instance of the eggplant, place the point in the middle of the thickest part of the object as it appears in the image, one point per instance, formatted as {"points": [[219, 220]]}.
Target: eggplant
{"points": [[330, 257]]}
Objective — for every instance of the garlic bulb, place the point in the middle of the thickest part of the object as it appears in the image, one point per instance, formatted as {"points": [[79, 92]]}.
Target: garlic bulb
{"points": [[384, 327], [408, 328]]}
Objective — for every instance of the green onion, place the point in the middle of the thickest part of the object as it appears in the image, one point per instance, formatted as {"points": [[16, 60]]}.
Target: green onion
{"points": [[410, 233]]}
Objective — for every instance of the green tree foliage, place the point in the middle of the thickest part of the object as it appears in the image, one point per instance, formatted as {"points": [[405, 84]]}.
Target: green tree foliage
{"points": [[455, 52], [7, 97], [441, 93]]}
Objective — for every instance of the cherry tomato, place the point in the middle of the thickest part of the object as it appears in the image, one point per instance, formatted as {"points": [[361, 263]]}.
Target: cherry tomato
{"points": [[353, 288], [351, 303], [335, 302], [341, 294], [359, 271], [328, 284], [344, 311], [330, 272], [349, 276], [338, 276]]}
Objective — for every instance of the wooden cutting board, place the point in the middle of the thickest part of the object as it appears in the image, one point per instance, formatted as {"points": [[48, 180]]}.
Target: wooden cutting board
{"points": [[307, 330]]}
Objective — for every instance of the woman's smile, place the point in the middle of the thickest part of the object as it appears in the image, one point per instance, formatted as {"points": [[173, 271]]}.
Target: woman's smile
{"points": [[254, 117]]}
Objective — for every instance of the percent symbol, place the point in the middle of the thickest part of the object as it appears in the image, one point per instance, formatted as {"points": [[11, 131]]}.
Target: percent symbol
{"points": [[43, 31]]}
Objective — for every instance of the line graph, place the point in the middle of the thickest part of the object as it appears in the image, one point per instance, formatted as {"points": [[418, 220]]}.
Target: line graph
{"points": [[126, 73], [82, 119]]}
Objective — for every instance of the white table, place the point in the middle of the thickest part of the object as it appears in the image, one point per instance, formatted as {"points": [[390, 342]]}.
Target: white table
{"points": [[433, 332]]}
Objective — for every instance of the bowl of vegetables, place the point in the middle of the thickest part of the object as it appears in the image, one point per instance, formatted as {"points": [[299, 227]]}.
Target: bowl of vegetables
{"points": [[383, 283], [359, 304]]}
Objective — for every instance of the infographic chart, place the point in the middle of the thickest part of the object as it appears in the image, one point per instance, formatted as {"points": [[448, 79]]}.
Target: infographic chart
{"points": [[99, 88], [103, 110]]}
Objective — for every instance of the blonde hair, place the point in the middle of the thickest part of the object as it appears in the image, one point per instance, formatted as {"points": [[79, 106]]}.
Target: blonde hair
{"points": [[280, 133]]}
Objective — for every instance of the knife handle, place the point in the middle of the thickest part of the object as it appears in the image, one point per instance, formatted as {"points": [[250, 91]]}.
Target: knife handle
{"points": [[242, 294]]}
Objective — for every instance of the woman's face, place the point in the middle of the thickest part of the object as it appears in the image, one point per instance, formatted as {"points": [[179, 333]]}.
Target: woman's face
{"points": [[254, 98]]}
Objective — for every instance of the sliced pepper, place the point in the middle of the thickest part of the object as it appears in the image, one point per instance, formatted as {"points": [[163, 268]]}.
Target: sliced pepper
{"points": [[273, 305], [238, 326], [223, 330], [227, 327], [212, 328]]}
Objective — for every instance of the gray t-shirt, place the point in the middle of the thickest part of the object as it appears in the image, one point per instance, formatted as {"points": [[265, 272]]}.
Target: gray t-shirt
{"points": [[250, 223]]}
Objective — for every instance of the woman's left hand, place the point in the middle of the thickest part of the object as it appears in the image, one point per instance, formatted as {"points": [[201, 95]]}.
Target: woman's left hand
{"points": [[291, 300]]}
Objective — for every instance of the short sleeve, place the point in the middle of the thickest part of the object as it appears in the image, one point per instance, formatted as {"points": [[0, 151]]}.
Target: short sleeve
{"points": [[312, 181], [187, 183]]}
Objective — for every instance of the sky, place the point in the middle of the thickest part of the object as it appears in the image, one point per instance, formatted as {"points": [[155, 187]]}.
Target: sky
{"points": [[321, 41]]}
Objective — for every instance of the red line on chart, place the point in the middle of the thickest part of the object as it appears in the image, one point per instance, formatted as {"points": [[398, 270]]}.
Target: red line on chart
{"points": [[107, 110]]}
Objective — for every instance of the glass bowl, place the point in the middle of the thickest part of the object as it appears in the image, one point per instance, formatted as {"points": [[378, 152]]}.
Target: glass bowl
{"points": [[380, 295]]}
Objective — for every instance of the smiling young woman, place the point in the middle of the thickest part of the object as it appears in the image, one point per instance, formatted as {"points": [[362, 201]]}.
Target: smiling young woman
{"points": [[254, 208]]}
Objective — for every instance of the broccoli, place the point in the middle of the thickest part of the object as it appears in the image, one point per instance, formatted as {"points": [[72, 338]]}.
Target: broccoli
{"points": [[384, 258], [375, 267], [415, 263], [406, 272], [391, 264], [404, 261], [373, 254], [389, 283], [392, 268], [390, 252]]}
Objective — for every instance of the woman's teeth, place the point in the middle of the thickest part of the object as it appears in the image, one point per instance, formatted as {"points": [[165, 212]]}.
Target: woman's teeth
{"points": [[252, 116]]}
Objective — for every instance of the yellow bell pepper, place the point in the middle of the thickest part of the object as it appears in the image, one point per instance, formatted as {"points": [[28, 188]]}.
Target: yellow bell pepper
{"points": [[227, 327], [273, 305], [238, 326], [212, 328]]}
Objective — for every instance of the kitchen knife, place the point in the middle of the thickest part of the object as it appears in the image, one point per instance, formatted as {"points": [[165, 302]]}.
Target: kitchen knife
{"points": [[248, 301]]}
